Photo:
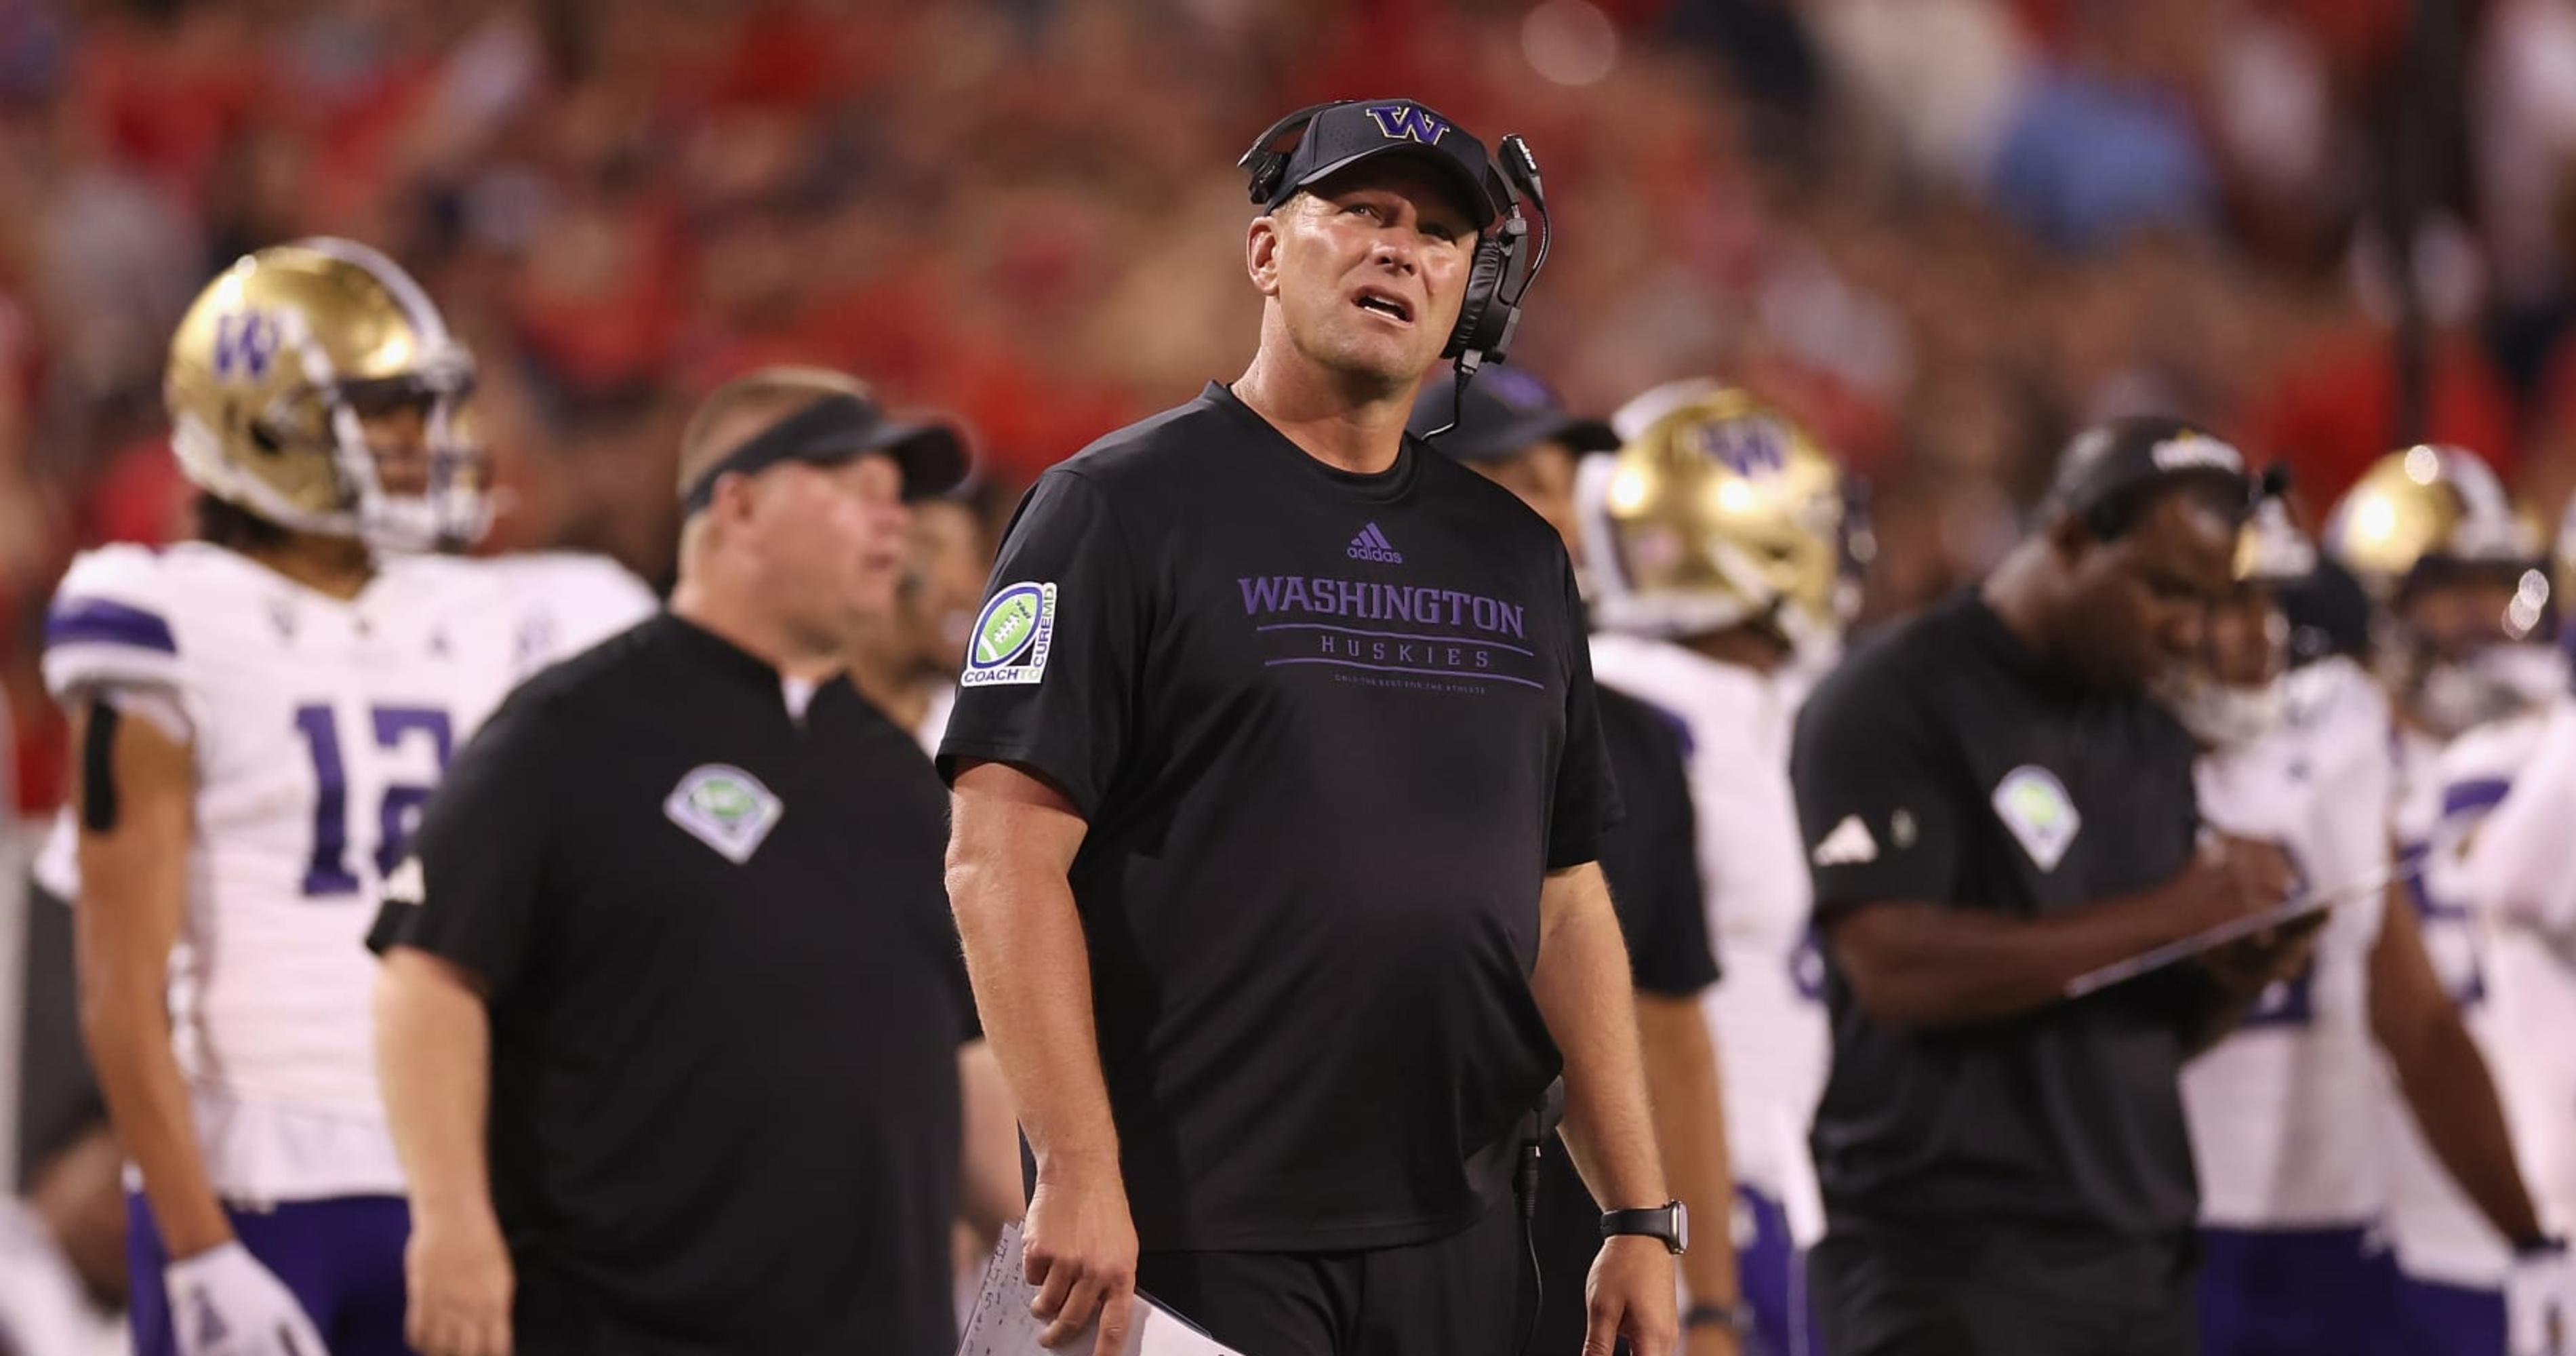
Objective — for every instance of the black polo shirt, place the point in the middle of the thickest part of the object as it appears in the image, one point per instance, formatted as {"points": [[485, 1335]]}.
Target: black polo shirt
{"points": [[1329, 733], [726, 1000], [1944, 763]]}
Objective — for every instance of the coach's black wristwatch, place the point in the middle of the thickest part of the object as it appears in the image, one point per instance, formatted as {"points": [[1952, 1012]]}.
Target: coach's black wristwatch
{"points": [[1669, 1222]]}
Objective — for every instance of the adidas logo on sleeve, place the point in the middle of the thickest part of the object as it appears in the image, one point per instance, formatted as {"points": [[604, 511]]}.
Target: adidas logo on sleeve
{"points": [[1371, 544], [1850, 844]]}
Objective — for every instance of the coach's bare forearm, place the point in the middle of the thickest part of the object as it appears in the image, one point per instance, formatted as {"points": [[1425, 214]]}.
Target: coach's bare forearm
{"points": [[1583, 991], [434, 1061], [1008, 852], [1915, 964], [1689, 1108]]}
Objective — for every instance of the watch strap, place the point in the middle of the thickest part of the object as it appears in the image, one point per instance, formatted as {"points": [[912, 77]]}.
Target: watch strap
{"points": [[1662, 1222]]}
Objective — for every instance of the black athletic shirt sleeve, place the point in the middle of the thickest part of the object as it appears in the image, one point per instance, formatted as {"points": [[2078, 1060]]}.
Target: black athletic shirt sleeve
{"points": [[1587, 794], [470, 891], [1878, 806], [1064, 712], [1652, 856]]}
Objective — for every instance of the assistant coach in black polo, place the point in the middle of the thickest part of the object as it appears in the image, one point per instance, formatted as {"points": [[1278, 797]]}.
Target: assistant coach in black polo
{"points": [[676, 914], [1279, 786], [1994, 806]]}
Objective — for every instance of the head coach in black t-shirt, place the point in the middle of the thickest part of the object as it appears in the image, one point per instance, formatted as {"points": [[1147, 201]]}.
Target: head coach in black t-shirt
{"points": [[1993, 807], [1279, 787], [676, 916]]}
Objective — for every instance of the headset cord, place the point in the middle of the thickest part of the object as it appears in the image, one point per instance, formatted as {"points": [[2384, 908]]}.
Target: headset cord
{"points": [[1525, 1188]]}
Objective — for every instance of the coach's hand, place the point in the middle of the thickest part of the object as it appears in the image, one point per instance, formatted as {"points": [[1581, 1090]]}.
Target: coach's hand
{"points": [[1080, 1251], [1631, 1294], [461, 1284], [2232, 877], [224, 1303]]}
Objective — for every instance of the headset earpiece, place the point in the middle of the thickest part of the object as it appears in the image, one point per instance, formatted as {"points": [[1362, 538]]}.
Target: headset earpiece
{"points": [[1485, 320], [1507, 260]]}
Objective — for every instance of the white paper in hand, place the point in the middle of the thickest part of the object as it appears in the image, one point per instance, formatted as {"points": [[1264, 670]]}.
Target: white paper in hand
{"points": [[1001, 1325]]}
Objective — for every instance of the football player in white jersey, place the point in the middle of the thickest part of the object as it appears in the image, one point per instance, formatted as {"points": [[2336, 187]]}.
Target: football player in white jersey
{"points": [[260, 715], [2511, 868], [2283, 1112], [2517, 863], [1714, 540], [2459, 641]]}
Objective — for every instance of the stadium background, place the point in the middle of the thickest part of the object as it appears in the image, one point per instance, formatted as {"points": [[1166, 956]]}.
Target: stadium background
{"points": [[1944, 232]]}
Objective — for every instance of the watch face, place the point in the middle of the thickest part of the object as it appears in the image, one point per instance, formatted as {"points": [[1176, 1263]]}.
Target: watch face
{"points": [[1681, 1227]]}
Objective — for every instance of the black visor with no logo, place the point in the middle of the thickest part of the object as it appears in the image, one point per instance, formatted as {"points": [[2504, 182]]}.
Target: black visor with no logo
{"points": [[833, 430]]}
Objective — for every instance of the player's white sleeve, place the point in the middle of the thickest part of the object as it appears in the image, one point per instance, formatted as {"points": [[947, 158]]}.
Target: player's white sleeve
{"points": [[112, 629], [588, 598], [110, 625], [2516, 864]]}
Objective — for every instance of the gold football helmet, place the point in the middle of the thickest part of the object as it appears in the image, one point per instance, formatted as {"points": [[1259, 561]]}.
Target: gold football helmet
{"points": [[1721, 512], [2270, 549], [2427, 503], [269, 370], [2430, 517]]}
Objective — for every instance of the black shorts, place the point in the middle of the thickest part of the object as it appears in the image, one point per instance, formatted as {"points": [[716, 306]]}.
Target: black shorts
{"points": [[1463, 1295], [2004, 1294]]}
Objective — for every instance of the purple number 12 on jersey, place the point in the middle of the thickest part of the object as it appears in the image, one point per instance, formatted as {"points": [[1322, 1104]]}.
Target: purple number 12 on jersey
{"points": [[329, 872]]}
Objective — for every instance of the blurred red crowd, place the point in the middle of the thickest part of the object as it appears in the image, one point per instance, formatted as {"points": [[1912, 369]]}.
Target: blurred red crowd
{"points": [[1945, 232]]}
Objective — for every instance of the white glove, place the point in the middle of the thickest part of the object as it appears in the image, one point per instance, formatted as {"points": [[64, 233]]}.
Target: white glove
{"points": [[224, 1303], [2540, 1302]]}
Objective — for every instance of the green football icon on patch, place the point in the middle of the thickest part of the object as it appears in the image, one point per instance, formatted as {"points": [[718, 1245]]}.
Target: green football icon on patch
{"points": [[1012, 636], [1009, 623], [725, 808], [724, 799], [2033, 804]]}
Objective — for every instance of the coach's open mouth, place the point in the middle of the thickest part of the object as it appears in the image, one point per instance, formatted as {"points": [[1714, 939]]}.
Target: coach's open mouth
{"points": [[1386, 304]]}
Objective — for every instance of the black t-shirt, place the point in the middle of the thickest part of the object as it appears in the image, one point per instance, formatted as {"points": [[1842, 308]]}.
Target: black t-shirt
{"points": [[1652, 860], [1944, 763], [1652, 856], [726, 1001], [1329, 732]]}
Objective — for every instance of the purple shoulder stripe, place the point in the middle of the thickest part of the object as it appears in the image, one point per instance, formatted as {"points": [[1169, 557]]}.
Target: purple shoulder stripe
{"points": [[97, 621], [2483, 793]]}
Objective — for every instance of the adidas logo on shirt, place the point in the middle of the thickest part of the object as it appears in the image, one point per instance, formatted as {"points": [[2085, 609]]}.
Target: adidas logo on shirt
{"points": [[1848, 845], [1372, 544]]}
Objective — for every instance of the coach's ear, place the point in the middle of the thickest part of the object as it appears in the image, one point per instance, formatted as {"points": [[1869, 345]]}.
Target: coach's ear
{"points": [[1261, 253], [2069, 537]]}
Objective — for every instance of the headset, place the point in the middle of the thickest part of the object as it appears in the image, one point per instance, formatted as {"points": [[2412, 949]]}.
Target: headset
{"points": [[1506, 261]]}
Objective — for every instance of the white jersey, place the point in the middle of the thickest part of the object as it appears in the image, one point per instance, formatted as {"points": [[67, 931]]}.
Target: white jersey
{"points": [[2283, 1112], [2442, 792], [1766, 1013], [2517, 863], [2531, 982], [319, 728]]}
